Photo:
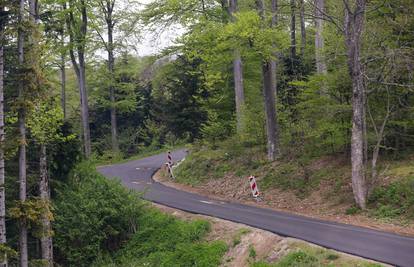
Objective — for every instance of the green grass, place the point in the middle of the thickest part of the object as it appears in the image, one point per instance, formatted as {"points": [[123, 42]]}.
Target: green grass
{"points": [[238, 236], [163, 240], [110, 158], [306, 256], [204, 164]]}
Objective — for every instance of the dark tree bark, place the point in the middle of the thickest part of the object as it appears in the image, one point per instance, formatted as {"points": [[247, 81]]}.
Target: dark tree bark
{"points": [[238, 75], [354, 22], [77, 35], [293, 30], [22, 146], [3, 240], [269, 85], [46, 242], [319, 40], [302, 28]]}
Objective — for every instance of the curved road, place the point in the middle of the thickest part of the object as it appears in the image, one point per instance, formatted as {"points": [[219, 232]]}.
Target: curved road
{"points": [[380, 246]]}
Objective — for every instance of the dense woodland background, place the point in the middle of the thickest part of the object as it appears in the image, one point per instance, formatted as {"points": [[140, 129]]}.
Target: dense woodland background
{"points": [[290, 80]]}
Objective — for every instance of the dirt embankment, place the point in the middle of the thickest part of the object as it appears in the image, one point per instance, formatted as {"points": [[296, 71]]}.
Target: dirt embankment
{"points": [[247, 245], [234, 189]]}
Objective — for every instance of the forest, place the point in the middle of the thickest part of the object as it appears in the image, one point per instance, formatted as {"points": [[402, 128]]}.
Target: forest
{"points": [[247, 86]]}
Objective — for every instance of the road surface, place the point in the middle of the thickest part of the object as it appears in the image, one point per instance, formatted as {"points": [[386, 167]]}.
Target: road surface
{"points": [[380, 246]]}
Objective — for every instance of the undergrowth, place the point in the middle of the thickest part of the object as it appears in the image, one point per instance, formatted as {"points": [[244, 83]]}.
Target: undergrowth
{"points": [[393, 200], [313, 257], [100, 223], [301, 176]]}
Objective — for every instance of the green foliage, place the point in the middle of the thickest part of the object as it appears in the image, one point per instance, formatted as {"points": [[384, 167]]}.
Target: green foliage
{"points": [[32, 211], [93, 215], [163, 240], [313, 134], [308, 257], [8, 252], [238, 236], [252, 252], [299, 258], [352, 210], [216, 129], [207, 165], [393, 200], [45, 121]]}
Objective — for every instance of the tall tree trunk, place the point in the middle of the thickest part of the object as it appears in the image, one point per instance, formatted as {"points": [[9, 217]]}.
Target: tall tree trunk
{"points": [[3, 262], [83, 91], [293, 31], [46, 242], [270, 110], [319, 40], [238, 75], [22, 142], [269, 84], [302, 28], [74, 29], [111, 64], [354, 21], [273, 23], [63, 79], [84, 105]]}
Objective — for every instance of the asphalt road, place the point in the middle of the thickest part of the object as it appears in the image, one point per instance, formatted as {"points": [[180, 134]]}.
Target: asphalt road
{"points": [[380, 246]]}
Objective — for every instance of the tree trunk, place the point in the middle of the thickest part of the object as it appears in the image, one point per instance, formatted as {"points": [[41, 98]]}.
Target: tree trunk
{"points": [[238, 89], [46, 239], [302, 28], [273, 65], [3, 262], [63, 80], [238, 76], [111, 64], [292, 31], [84, 105], [270, 111], [79, 68], [354, 21], [269, 81], [22, 142], [319, 40]]}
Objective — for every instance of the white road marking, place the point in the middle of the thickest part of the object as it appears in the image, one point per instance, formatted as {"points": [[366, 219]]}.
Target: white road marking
{"points": [[137, 168], [136, 182], [206, 202]]}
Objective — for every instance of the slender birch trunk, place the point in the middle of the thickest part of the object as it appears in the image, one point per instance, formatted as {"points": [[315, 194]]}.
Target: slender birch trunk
{"points": [[3, 258], [46, 242], [354, 21]]}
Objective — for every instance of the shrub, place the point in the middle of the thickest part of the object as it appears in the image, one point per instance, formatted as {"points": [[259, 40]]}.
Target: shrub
{"points": [[298, 258], [163, 240], [394, 200], [93, 215]]}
